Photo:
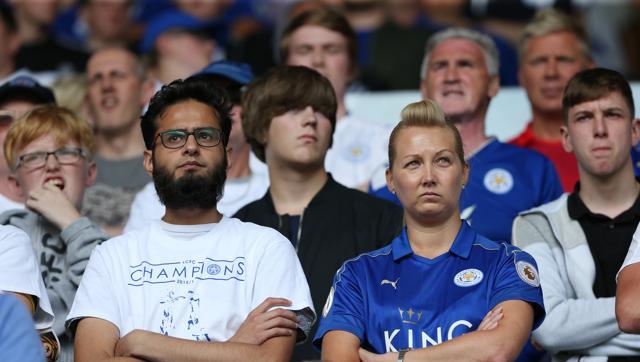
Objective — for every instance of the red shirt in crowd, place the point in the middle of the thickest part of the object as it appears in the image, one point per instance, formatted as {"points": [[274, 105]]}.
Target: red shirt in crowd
{"points": [[565, 162]]}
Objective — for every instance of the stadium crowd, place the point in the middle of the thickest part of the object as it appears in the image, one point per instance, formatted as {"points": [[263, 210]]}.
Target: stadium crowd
{"points": [[289, 229]]}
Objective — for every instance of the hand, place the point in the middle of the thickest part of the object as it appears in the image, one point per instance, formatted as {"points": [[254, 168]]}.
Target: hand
{"points": [[53, 204], [490, 321], [366, 356], [128, 345], [262, 324]]}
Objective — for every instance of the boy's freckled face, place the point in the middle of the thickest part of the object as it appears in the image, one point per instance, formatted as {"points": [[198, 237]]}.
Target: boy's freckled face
{"points": [[72, 179]]}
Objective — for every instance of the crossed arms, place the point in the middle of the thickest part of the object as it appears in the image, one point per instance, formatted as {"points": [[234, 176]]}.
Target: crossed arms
{"points": [[491, 341], [264, 335]]}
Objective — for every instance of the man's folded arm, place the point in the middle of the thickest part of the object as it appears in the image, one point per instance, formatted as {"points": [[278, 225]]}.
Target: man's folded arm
{"points": [[98, 339], [95, 340]]}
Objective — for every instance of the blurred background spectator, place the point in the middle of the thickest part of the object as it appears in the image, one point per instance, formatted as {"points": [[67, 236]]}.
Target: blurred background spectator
{"points": [[39, 50], [390, 33]]}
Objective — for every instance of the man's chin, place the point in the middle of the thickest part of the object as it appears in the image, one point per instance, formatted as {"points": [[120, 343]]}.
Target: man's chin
{"points": [[112, 129]]}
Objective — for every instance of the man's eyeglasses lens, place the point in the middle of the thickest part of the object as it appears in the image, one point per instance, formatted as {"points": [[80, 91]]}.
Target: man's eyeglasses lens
{"points": [[205, 137], [64, 156]]}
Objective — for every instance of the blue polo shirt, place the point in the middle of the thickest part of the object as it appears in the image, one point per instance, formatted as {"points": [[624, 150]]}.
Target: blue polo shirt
{"points": [[392, 299], [504, 180]]}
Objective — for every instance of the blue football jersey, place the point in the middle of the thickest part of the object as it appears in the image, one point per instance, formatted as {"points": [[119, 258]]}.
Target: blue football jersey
{"points": [[392, 299], [504, 180]]}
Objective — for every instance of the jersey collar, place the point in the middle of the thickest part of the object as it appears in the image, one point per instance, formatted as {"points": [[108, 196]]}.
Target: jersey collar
{"points": [[461, 244]]}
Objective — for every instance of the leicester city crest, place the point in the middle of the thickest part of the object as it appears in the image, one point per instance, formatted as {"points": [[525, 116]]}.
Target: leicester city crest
{"points": [[356, 152], [498, 181], [468, 278]]}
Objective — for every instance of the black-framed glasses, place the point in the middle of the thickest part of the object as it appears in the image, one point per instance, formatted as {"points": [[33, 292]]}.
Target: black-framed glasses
{"points": [[64, 156], [177, 138]]}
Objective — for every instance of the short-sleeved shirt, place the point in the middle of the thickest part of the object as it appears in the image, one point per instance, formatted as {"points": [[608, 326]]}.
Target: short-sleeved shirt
{"points": [[199, 287], [504, 180], [20, 272], [393, 299], [18, 339]]}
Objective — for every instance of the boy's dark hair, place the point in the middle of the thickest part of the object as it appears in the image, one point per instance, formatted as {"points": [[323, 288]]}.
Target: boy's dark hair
{"points": [[591, 84], [282, 89], [184, 90]]}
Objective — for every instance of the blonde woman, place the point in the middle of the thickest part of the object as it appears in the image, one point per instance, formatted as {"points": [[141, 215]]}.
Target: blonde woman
{"points": [[424, 296]]}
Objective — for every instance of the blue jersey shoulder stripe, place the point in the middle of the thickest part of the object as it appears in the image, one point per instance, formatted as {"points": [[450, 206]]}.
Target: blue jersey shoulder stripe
{"points": [[385, 251]]}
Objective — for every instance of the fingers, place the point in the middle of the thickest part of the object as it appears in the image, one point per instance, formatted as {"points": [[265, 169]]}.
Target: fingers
{"points": [[491, 320], [365, 355], [280, 318], [276, 332], [270, 303], [40, 193], [51, 186]]}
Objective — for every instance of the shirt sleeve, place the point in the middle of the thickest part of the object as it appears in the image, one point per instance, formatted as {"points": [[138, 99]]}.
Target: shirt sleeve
{"points": [[95, 297], [518, 279], [18, 338], [20, 273], [344, 308], [280, 275]]}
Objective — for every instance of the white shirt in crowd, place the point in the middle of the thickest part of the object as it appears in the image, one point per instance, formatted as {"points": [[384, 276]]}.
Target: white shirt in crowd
{"points": [[8, 204], [358, 152], [196, 282], [20, 273]]}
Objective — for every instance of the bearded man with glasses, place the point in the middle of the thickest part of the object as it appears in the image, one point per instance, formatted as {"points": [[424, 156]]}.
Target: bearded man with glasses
{"points": [[50, 153], [194, 285]]}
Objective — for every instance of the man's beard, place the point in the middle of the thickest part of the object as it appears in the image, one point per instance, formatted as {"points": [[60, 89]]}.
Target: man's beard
{"points": [[191, 190]]}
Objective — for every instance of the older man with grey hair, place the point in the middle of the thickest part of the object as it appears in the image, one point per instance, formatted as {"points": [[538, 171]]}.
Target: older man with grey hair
{"points": [[460, 72], [553, 47]]}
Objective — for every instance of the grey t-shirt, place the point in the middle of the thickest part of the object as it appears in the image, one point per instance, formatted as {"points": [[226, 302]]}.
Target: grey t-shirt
{"points": [[109, 200]]}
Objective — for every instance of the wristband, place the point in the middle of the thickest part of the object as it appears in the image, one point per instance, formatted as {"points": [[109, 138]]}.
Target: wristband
{"points": [[401, 354]]}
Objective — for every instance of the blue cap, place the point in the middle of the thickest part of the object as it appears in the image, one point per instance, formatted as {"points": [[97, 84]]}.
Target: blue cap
{"points": [[237, 72], [172, 19], [26, 87]]}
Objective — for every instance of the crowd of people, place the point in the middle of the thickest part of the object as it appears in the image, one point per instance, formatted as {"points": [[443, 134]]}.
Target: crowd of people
{"points": [[183, 206]]}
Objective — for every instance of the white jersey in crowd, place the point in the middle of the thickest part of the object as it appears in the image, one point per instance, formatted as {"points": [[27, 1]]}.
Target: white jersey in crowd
{"points": [[20, 273], [633, 255], [238, 192], [358, 152], [196, 282], [8, 204]]}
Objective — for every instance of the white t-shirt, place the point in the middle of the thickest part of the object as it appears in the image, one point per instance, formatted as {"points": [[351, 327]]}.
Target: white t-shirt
{"points": [[20, 273], [147, 207], [8, 204], [633, 255], [194, 282], [358, 152]]}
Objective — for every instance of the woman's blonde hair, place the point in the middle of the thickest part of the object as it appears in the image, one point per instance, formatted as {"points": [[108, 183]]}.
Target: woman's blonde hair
{"points": [[427, 114]]}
